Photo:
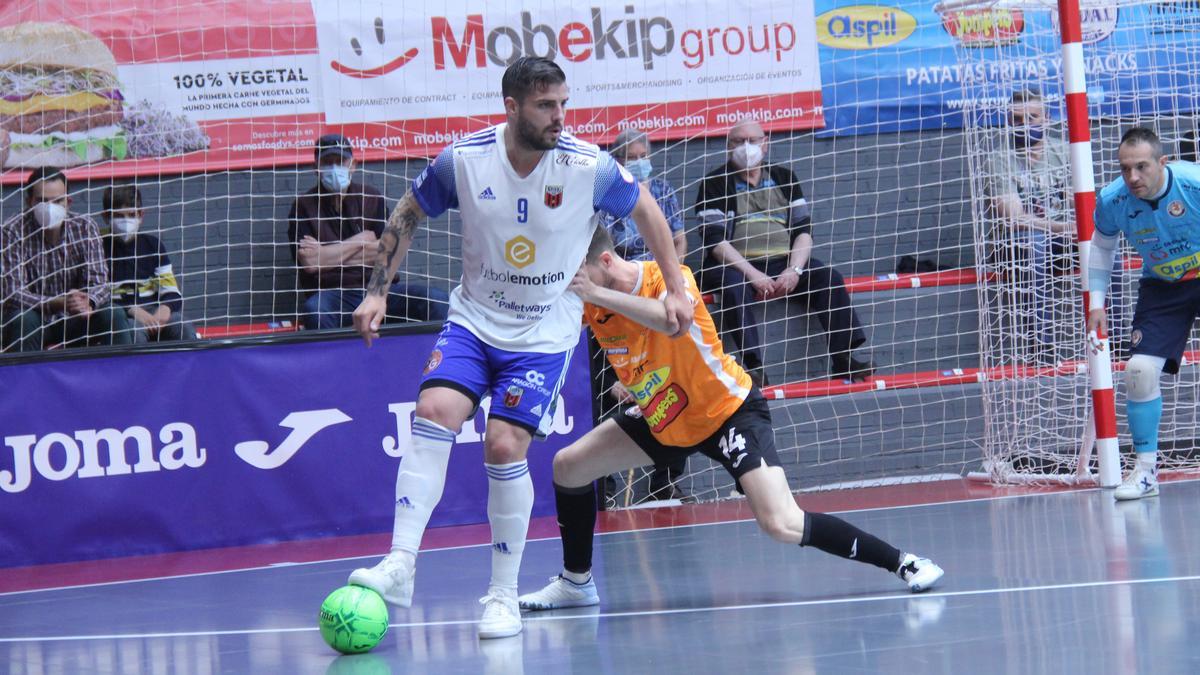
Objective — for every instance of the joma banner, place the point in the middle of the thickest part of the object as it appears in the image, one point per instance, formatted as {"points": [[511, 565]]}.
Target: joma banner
{"points": [[151, 453]]}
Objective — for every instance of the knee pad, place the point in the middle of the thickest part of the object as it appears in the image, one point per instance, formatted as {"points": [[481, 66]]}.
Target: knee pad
{"points": [[1141, 377]]}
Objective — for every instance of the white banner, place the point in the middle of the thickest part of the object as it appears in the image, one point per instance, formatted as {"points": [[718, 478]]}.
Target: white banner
{"points": [[382, 62]]}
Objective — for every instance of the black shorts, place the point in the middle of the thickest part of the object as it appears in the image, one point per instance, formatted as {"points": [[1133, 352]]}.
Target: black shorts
{"points": [[1163, 319], [746, 441]]}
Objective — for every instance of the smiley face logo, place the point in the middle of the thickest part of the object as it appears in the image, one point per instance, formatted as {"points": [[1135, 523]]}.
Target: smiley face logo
{"points": [[377, 71]]}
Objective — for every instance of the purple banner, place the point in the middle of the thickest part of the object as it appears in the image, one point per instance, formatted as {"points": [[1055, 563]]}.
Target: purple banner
{"points": [[150, 453]]}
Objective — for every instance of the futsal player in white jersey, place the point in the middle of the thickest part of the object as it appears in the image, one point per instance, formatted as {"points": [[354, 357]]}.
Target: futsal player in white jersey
{"points": [[528, 194]]}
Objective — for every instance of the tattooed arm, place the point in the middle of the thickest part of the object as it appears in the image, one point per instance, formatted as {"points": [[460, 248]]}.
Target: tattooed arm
{"points": [[393, 246]]}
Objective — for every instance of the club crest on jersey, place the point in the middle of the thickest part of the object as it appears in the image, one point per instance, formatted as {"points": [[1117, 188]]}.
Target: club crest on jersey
{"points": [[512, 396], [435, 360], [1176, 209], [1135, 338], [554, 194]]}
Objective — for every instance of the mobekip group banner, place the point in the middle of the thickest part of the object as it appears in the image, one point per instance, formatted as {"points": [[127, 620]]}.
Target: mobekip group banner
{"points": [[152, 453], [909, 65], [207, 85]]}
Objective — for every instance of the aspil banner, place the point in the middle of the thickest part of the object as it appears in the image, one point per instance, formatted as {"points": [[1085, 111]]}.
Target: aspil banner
{"points": [[151, 453], [913, 65], [134, 86]]}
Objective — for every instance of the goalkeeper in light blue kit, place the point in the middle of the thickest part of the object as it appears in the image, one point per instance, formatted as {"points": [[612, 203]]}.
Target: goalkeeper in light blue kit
{"points": [[1156, 206]]}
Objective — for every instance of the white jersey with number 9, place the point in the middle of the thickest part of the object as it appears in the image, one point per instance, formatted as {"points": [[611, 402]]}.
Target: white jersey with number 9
{"points": [[523, 238]]}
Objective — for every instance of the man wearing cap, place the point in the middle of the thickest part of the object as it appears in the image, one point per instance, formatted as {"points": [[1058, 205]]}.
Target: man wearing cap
{"points": [[335, 229]]}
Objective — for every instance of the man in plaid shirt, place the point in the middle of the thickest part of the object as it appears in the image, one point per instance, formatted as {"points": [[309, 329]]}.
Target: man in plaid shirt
{"points": [[53, 277]]}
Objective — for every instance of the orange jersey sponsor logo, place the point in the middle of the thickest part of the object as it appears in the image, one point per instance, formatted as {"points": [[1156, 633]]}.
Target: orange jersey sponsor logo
{"points": [[649, 385], [664, 408]]}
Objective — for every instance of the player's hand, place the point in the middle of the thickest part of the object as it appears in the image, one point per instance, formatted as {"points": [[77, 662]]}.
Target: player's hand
{"points": [[620, 394], [581, 284], [368, 316], [679, 312], [1095, 321]]}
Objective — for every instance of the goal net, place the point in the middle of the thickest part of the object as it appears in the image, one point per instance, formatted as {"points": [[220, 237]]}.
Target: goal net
{"points": [[1140, 70]]}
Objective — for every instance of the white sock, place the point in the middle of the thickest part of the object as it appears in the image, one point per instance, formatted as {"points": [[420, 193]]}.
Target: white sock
{"points": [[577, 578], [510, 500], [1147, 461], [419, 482]]}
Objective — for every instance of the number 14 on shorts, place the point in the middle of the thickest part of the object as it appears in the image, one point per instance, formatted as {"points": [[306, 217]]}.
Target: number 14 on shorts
{"points": [[733, 446]]}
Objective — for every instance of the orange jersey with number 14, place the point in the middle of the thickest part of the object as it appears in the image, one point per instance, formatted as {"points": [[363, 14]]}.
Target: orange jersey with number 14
{"points": [[686, 387]]}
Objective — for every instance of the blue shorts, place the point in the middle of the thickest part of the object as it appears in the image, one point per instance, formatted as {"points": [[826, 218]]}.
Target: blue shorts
{"points": [[523, 386], [1162, 320]]}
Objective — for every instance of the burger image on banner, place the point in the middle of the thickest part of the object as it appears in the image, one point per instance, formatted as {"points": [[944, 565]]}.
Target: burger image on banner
{"points": [[60, 100]]}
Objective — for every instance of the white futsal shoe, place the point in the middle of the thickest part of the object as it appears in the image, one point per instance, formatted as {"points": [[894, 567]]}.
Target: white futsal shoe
{"points": [[391, 578], [1140, 483], [561, 593], [501, 615], [919, 573]]}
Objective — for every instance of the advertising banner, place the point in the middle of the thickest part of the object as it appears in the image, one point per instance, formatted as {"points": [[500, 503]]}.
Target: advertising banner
{"points": [[153, 453], [143, 86], [906, 66], [135, 87]]}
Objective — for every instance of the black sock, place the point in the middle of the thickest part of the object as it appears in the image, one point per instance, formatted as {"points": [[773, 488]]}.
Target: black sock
{"points": [[834, 535], [577, 525]]}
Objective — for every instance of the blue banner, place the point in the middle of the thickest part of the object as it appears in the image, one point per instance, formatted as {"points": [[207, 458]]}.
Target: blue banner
{"points": [[150, 453], [903, 66]]}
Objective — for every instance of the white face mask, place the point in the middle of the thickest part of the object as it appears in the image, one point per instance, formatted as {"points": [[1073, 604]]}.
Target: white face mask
{"points": [[125, 227], [335, 178], [640, 168], [49, 215], [747, 155]]}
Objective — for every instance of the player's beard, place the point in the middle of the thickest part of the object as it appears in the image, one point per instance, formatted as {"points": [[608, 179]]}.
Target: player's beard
{"points": [[530, 137]]}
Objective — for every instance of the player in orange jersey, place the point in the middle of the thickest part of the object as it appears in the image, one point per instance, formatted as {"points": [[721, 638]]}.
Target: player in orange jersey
{"points": [[691, 397]]}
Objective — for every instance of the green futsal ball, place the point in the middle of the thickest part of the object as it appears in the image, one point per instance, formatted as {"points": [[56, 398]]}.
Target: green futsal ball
{"points": [[353, 619]]}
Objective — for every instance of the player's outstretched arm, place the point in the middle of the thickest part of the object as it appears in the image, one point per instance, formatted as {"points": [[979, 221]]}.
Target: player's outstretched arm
{"points": [[648, 312], [661, 243], [393, 246]]}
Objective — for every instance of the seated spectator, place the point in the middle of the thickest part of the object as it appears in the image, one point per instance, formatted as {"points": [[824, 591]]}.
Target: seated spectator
{"points": [[1029, 190], [53, 279], [757, 245], [140, 272], [631, 149], [335, 229]]}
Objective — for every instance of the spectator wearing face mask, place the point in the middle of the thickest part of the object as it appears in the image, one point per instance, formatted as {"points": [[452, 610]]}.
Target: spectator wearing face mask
{"points": [[53, 278], [141, 274], [757, 232], [1029, 191], [631, 149], [335, 229]]}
